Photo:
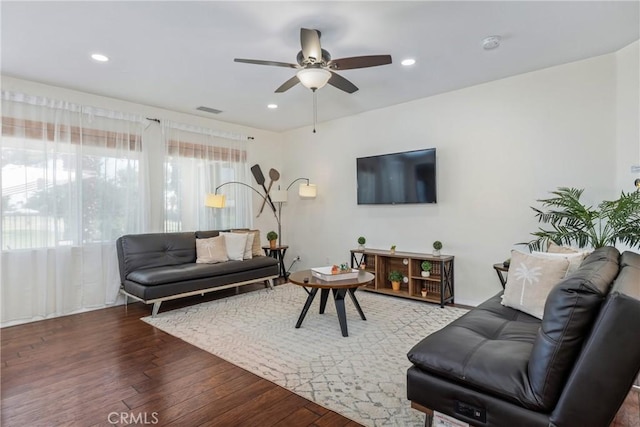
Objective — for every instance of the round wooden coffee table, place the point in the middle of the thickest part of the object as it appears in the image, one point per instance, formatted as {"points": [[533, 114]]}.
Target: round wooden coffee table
{"points": [[340, 288]]}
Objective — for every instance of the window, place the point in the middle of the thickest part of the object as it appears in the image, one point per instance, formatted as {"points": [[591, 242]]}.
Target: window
{"points": [[73, 181], [65, 192], [196, 162]]}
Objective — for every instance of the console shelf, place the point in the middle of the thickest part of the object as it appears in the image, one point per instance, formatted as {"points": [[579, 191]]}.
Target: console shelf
{"points": [[439, 284]]}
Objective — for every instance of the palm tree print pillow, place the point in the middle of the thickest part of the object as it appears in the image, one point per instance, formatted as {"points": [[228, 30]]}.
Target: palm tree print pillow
{"points": [[530, 280]]}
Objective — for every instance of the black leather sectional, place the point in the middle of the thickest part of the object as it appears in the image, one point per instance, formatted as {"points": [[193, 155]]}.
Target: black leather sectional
{"points": [[496, 366], [157, 267]]}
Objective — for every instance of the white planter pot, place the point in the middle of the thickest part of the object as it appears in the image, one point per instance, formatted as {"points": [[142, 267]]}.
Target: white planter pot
{"points": [[436, 252], [424, 274], [423, 293]]}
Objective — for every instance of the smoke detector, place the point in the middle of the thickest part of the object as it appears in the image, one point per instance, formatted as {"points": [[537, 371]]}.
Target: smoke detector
{"points": [[491, 42]]}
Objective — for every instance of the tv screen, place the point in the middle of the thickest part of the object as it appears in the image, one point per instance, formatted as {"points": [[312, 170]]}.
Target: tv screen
{"points": [[397, 178]]}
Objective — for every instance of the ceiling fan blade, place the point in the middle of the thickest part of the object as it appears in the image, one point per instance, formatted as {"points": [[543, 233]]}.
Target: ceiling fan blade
{"points": [[288, 84], [260, 62], [310, 41], [341, 83], [359, 62]]}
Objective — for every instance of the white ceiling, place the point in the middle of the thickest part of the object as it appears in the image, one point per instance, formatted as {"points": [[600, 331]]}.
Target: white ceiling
{"points": [[179, 55]]}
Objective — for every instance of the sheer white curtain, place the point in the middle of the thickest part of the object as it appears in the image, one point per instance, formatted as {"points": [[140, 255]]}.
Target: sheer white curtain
{"points": [[197, 161], [73, 181]]}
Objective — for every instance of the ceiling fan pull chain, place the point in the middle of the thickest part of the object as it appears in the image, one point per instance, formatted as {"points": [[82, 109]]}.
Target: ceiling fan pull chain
{"points": [[315, 109]]}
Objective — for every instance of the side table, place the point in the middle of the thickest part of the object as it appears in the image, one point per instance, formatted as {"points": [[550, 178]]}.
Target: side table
{"points": [[500, 270], [278, 253]]}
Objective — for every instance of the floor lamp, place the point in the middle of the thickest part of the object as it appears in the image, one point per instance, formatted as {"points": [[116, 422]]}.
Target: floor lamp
{"points": [[216, 200], [306, 191]]}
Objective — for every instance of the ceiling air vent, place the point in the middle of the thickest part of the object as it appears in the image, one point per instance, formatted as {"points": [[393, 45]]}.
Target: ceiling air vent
{"points": [[209, 110]]}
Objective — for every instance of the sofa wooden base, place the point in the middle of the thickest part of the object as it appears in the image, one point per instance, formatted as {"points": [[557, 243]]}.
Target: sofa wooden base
{"points": [[268, 281], [428, 420]]}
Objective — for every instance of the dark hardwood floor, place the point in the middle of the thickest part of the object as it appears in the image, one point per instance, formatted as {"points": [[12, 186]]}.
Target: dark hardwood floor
{"points": [[107, 367]]}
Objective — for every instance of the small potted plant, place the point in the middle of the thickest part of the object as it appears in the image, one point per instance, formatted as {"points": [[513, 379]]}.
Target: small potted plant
{"points": [[272, 237], [423, 291], [437, 245], [361, 242], [393, 249], [395, 277], [426, 268]]}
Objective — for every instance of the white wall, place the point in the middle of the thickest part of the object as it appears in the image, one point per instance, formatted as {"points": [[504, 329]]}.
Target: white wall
{"points": [[500, 146], [265, 149], [627, 112]]}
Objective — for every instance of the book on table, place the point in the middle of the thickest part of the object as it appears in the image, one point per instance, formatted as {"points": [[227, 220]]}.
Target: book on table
{"points": [[326, 274]]}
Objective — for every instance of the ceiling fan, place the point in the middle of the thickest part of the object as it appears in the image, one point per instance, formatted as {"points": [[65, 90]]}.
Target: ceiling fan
{"points": [[316, 68]]}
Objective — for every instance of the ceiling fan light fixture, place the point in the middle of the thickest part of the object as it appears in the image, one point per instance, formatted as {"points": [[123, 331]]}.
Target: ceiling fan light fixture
{"points": [[313, 78]]}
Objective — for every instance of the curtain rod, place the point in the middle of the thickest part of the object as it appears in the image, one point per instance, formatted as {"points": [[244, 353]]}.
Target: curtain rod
{"points": [[216, 133]]}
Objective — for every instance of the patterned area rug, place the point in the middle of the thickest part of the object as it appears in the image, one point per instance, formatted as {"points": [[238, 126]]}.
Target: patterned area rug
{"points": [[362, 376]]}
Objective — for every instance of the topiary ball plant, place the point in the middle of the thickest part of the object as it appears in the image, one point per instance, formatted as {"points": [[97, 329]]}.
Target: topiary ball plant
{"points": [[396, 276], [426, 268]]}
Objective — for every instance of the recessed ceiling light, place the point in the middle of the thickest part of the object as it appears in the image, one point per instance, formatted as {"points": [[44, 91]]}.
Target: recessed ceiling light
{"points": [[272, 106], [99, 57], [408, 61]]}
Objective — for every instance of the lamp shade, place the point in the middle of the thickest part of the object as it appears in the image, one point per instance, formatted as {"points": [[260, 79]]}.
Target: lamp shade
{"points": [[313, 78], [215, 200], [278, 196], [307, 190]]}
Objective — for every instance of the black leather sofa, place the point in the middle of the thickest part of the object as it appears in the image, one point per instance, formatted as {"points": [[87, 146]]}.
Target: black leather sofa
{"points": [[496, 366], [157, 267]]}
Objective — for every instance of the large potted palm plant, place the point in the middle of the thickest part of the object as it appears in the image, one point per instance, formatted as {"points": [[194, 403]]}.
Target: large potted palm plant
{"points": [[572, 222]]}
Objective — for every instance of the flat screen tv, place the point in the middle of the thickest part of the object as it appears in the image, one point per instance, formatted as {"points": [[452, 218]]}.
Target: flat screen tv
{"points": [[397, 178]]}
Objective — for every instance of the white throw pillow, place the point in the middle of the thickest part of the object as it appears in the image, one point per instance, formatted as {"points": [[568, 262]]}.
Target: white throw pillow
{"points": [[236, 243], [248, 246], [574, 258], [211, 251], [530, 280], [256, 249]]}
